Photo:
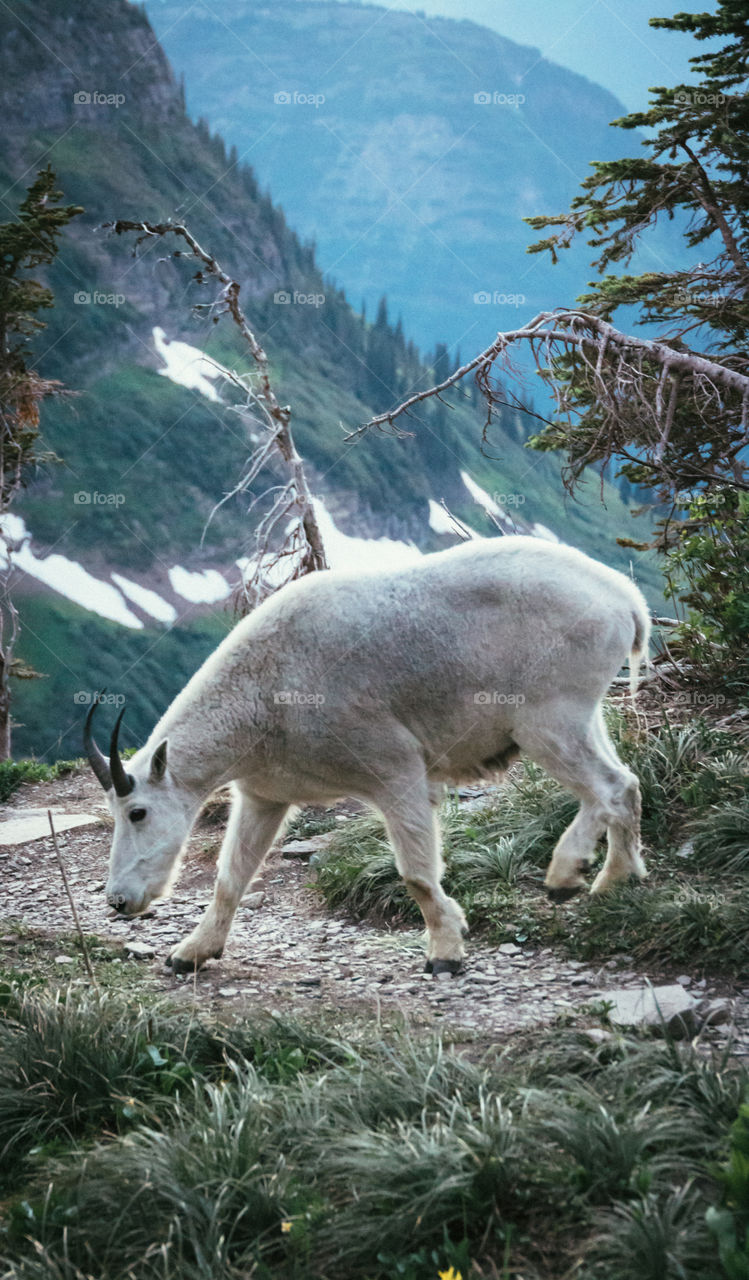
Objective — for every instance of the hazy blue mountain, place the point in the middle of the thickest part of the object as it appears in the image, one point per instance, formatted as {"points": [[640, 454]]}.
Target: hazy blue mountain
{"points": [[168, 452], [409, 151]]}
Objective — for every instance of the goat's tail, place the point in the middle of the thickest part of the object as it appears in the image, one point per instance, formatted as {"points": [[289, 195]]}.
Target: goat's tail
{"points": [[639, 650]]}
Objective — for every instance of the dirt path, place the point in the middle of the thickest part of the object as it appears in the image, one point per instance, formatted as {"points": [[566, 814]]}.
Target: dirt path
{"points": [[291, 954]]}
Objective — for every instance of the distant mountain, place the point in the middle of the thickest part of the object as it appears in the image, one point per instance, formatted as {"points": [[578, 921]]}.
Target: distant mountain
{"points": [[409, 149], [117, 585]]}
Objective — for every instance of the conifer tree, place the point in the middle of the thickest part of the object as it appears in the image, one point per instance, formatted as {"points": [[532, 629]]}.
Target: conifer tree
{"points": [[26, 243], [693, 169]]}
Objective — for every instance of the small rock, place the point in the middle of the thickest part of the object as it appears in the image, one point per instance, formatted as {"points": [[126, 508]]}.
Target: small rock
{"points": [[684, 980], [139, 950], [308, 982], [714, 1012], [254, 900], [305, 848], [509, 949], [686, 850], [64, 960], [228, 992], [598, 1035], [669, 1007], [443, 976]]}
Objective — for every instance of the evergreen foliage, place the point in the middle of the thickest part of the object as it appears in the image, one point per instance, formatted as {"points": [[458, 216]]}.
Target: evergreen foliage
{"points": [[692, 172]]}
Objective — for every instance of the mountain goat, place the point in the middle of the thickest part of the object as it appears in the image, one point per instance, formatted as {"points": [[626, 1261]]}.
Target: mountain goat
{"points": [[385, 686]]}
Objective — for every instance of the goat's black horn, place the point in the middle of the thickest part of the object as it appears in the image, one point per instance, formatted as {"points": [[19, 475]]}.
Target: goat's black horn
{"points": [[121, 781], [96, 758]]}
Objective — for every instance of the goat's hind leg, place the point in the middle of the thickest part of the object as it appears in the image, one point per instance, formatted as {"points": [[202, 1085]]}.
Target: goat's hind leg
{"points": [[581, 756], [413, 827], [252, 826], [623, 857]]}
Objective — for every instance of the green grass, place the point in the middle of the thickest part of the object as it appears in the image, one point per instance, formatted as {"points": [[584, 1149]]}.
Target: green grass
{"points": [[163, 1145], [15, 772], [692, 908]]}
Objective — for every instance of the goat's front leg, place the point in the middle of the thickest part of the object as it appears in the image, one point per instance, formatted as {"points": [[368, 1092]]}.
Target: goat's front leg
{"points": [[253, 823], [413, 827]]}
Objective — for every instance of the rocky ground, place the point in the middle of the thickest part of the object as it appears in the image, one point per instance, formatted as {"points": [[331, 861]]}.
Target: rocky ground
{"points": [[288, 953]]}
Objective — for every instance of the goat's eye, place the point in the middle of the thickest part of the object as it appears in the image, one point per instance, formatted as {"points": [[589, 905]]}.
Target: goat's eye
{"points": [[137, 815]]}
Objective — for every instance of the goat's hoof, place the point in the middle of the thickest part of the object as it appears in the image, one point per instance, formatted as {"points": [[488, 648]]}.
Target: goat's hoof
{"points": [[178, 965], [436, 967], [563, 893]]}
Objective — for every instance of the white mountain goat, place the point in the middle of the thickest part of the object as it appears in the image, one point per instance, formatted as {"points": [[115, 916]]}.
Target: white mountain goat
{"points": [[385, 686]]}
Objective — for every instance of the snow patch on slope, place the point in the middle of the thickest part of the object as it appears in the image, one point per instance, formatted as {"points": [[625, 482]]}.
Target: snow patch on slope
{"points": [[480, 495], [67, 577], [540, 531], [206, 586], [149, 601], [355, 554], [188, 366]]}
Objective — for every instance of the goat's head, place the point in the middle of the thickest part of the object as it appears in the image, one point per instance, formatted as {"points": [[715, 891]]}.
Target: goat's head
{"points": [[152, 819]]}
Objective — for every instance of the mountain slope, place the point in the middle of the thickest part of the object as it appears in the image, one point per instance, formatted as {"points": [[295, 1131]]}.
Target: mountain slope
{"points": [[146, 457], [409, 148]]}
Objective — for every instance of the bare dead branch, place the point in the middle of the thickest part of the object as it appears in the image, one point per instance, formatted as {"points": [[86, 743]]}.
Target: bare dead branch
{"points": [[638, 385], [71, 900], [302, 545]]}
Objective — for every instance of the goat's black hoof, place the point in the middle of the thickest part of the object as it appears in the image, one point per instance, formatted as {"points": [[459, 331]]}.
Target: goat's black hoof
{"points": [[181, 966], [436, 967], [564, 894]]}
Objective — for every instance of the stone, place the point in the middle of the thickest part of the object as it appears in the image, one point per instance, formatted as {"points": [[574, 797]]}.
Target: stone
{"points": [[684, 980], [140, 950], [669, 1007], [714, 1012], [33, 824], [64, 960], [598, 1035], [254, 900], [509, 949], [305, 848], [308, 982], [228, 992]]}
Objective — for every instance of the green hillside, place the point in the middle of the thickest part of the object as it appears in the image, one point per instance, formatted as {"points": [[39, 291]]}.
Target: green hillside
{"points": [[168, 452]]}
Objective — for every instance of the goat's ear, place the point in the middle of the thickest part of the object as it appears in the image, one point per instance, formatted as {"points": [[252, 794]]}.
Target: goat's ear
{"points": [[158, 763]]}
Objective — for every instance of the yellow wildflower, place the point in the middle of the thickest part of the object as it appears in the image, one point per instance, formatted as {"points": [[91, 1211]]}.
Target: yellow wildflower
{"points": [[449, 1275], [286, 1228]]}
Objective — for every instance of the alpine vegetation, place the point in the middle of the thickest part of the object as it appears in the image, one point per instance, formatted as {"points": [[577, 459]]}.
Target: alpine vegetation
{"points": [[386, 686]]}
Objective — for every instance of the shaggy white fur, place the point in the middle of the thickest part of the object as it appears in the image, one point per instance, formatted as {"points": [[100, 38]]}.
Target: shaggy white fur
{"points": [[386, 686]]}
